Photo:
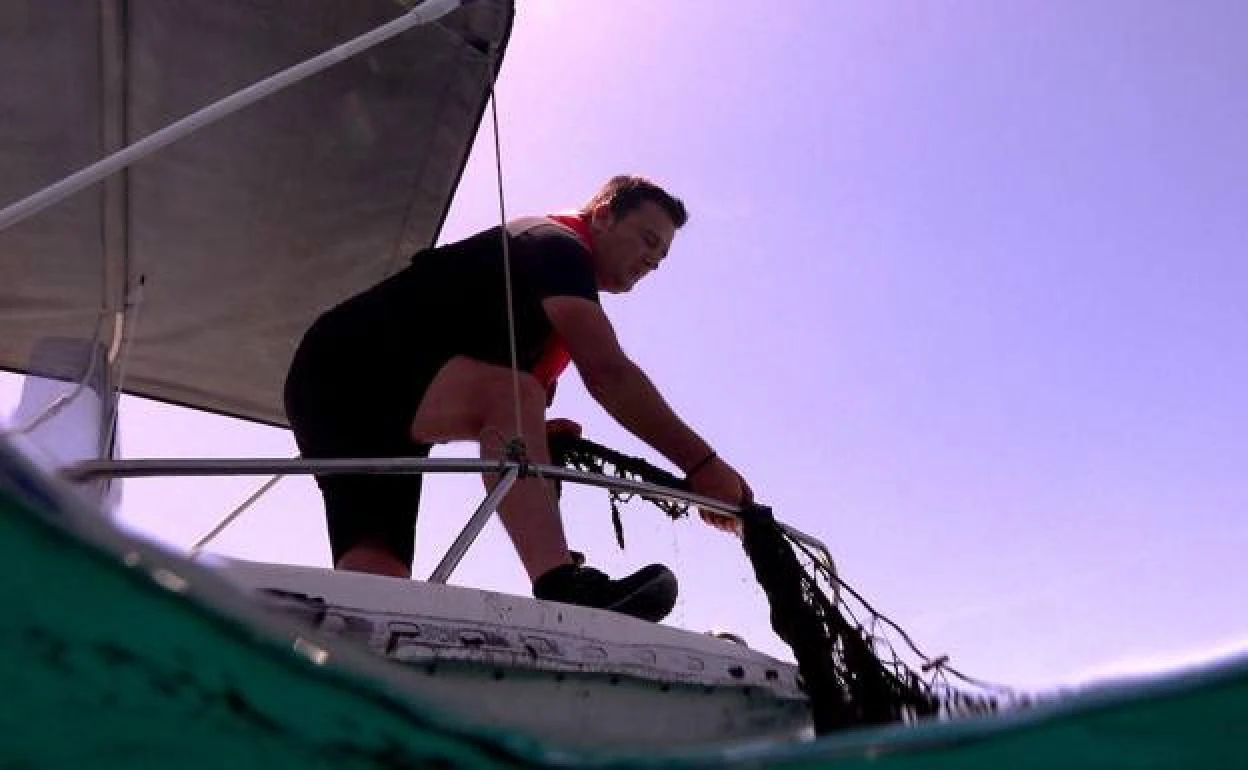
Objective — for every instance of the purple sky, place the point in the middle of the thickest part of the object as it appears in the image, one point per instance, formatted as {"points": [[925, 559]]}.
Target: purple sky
{"points": [[962, 293]]}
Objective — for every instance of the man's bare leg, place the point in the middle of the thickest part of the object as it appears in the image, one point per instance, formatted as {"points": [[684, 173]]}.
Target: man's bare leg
{"points": [[373, 559], [472, 400]]}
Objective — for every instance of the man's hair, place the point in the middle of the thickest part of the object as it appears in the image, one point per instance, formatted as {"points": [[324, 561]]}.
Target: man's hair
{"points": [[626, 192]]}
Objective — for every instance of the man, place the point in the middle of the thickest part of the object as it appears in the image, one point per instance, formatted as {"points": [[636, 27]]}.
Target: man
{"points": [[424, 357]]}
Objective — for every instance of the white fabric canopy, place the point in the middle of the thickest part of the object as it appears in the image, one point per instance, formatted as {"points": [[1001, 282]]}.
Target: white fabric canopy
{"points": [[243, 232]]}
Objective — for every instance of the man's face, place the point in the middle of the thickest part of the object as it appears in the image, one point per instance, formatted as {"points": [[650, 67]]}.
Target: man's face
{"points": [[630, 246]]}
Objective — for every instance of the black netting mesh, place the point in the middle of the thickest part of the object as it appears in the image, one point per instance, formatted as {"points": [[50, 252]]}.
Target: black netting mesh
{"points": [[850, 667]]}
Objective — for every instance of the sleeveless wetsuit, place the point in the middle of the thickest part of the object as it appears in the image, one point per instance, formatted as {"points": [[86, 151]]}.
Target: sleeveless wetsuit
{"points": [[362, 368]]}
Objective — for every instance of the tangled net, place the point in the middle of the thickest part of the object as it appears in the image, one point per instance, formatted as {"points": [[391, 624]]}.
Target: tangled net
{"points": [[850, 667]]}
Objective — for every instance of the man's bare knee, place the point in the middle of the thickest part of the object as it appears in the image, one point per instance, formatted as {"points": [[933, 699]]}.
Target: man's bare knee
{"points": [[502, 406], [469, 397]]}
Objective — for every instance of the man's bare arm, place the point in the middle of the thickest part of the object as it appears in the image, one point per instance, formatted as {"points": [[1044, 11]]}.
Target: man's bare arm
{"points": [[618, 384]]}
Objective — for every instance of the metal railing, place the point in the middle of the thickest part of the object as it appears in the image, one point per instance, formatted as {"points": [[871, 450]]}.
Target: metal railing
{"points": [[509, 470]]}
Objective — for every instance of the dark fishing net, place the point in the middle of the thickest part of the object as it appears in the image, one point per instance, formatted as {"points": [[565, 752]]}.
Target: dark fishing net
{"points": [[850, 667]]}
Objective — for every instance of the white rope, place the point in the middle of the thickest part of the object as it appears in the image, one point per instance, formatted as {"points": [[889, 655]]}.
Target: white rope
{"points": [[122, 343], [119, 350], [54, 407]]}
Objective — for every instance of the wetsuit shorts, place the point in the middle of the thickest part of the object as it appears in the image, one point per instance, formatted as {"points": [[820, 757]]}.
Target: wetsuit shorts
{"points": [[338, 411]]}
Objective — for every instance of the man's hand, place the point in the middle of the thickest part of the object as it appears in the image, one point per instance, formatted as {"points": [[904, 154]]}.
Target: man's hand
{"points": [[717, 479], [563, 426]]}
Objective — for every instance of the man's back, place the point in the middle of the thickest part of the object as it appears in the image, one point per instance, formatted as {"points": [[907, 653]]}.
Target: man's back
{"points": [[452, 300]]}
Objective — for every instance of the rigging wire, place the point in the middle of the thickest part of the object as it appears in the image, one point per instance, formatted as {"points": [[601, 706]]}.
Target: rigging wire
{"points": [[515, 448], [502, 215], [234, 514]]}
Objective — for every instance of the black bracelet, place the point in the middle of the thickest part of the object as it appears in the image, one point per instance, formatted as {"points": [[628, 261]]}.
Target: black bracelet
{"points": [[700, 464]]}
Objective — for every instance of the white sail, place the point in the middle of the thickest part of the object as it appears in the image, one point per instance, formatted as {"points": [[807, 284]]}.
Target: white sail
{"points": [[243, 232]]}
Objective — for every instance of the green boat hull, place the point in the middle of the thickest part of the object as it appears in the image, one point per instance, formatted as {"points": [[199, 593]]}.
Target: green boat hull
{"points": [[116, 654]]}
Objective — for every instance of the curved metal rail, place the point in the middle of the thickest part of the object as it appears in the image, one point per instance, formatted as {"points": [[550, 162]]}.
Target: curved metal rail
{"points": [[509, 469]]}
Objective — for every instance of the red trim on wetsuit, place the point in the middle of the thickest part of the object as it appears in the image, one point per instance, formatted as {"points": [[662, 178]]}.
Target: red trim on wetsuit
{"points": [[555, 357], [578, 225]]}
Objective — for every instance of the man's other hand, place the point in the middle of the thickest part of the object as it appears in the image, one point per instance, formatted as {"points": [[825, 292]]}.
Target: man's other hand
{"points": [[718, 480]]}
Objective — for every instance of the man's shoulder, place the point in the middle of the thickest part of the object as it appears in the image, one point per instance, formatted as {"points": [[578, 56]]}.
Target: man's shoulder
{"points": [[543, 230], [538, 237]]}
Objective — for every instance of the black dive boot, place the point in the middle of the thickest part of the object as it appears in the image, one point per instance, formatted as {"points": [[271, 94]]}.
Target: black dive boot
{"points": [[649, 593]]}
